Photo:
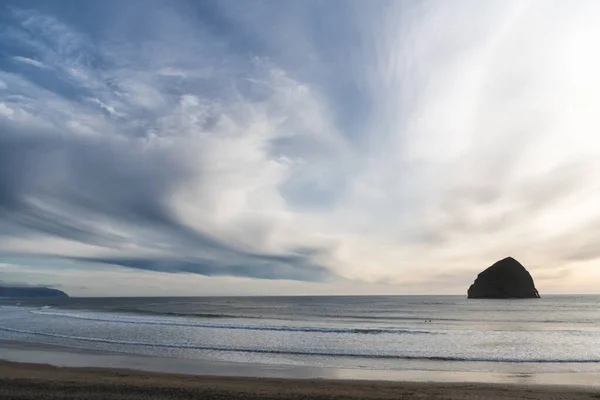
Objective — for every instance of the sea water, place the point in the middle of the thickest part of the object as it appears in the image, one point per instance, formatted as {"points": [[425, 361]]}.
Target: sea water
{"points": [[429, 333]]}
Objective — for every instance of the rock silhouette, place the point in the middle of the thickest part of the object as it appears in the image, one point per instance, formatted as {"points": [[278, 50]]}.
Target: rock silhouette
{"points": [[30, 291], [506, 279]]}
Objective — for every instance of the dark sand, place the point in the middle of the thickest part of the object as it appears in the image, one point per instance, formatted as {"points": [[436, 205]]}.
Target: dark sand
{"points": [[43, 382]]}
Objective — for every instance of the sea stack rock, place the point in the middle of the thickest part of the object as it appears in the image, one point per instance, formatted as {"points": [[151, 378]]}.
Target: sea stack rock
{"points": [[506, 279]]}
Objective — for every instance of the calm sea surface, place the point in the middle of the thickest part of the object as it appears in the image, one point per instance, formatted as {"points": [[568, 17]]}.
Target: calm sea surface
{"points": [[446, 333]]}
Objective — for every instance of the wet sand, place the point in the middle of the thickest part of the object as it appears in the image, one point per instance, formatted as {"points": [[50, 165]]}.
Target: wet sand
{"points": [[35, 381]]}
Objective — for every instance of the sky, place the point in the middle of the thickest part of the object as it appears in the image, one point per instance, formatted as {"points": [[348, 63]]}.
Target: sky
{"points": [[298, 147]]}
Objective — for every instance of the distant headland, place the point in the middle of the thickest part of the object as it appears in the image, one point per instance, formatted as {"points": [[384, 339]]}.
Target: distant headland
{"points": [[506, 279], [31, 292]]}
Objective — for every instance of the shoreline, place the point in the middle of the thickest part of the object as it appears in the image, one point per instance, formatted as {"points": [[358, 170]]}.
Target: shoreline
{"points": [[35, 381], [70, 357]]}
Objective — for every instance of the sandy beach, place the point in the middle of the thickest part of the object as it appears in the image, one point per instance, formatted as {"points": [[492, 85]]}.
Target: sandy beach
{"points": [[42, 382]]}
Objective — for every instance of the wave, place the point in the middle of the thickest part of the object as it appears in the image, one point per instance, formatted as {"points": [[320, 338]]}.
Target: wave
{"points": [[307, 353], [183, 314], [198, 324]]}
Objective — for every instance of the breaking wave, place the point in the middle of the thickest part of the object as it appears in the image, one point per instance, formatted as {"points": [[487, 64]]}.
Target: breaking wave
{"points": [[200, 324]]}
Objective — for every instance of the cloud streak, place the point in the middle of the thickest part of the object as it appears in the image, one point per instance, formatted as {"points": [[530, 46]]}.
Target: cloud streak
{"points": [[313, 141]]}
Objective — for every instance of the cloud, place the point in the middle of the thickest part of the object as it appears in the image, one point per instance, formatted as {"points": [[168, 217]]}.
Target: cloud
{"points": [[302, 141], [29, 61], [98, 280], [69, 190], [262, 266], [107, 173]]}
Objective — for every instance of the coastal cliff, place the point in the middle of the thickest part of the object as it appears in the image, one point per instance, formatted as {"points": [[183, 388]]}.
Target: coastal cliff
{"points": [[31, 292], [506, 279]]}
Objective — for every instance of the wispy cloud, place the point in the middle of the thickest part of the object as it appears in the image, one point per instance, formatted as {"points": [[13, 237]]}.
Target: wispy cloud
{"points": [[29, 61], [310, 141]]}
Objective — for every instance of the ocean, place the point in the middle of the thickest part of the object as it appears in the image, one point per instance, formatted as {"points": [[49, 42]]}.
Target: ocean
{"points": [[555, 334]]}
